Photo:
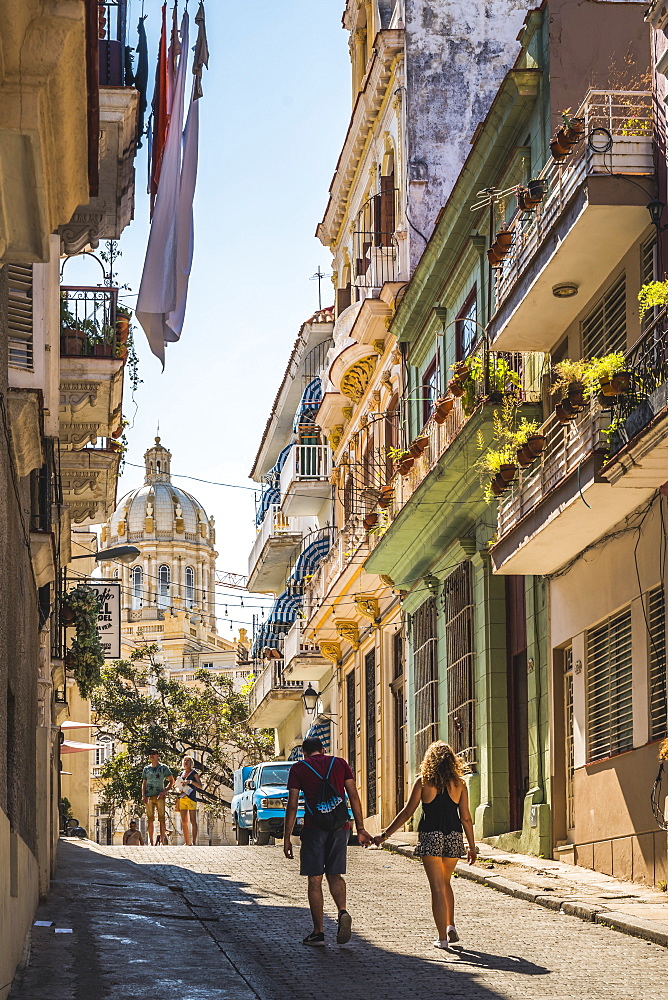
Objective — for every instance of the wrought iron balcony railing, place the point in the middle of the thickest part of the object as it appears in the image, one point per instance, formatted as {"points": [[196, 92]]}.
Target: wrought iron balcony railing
{"points": [[88, 318], [268, 680], [375, 245], [647, 362], [115, 60]]}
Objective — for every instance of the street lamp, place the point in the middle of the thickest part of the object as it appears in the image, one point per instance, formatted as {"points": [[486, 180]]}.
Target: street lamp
{"points": [[121, 553], [310, 698]]}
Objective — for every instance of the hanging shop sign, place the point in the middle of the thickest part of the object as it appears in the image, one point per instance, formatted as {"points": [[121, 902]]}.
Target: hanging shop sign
{"points": [[109, 618]]}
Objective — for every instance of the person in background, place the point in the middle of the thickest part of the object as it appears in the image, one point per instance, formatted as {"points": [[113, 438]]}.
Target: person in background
{"points": [[132, 837], [188, 781], [323, 852], [156, 780], [445, 813]]}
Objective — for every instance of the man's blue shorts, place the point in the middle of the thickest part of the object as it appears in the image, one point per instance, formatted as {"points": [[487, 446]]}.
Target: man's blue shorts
{"points": [[323, 852]]}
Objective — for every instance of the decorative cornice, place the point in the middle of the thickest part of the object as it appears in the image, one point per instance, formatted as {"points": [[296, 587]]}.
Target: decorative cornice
{"points": [[348, 630], [368, 607], [330, 650]]}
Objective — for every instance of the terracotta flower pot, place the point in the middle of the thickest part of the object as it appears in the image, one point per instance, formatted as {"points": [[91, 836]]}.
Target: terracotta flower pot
{"points": [[370, 521], [621, 382], [406, 465], [536, 188], [536, 444], [122, 328], [384, 502], [493, 257], [607, 389], [574, 131], [419, 445], [562, 416], [504, 239], [443, 408], [575, 393], [605, 402], [461, 370], [103, 351], [508, 472], [499, 485], [559, 152], [525, 201], [72, 343], [524, 457], [455, 389]]}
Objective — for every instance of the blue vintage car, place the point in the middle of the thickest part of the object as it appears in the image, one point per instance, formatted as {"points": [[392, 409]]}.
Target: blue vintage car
{"points": [[259, 802]]}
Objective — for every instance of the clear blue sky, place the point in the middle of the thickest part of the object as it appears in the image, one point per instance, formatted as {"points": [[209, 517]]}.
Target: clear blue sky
{"points": [[275, 109]]}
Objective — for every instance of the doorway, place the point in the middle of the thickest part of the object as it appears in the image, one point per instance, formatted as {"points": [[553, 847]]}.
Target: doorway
{"points": [[518, 708]]}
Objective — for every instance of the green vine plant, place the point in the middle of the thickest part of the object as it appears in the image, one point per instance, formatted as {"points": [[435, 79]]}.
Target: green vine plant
{"points": [[651, 295], [85, 657], [502, 379], [592, 373]]}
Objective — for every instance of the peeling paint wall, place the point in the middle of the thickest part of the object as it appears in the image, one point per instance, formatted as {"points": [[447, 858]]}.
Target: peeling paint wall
{"points": [[457, 54]]}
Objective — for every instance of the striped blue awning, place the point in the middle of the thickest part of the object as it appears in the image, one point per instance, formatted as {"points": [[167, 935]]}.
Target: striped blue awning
{"points": [[285, 608], [270, 496], [321, 730], [309, 404], [311, 557], [268, 636]]}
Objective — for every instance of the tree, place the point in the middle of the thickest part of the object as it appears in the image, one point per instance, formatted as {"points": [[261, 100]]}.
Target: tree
{"points": [[141, 707]]}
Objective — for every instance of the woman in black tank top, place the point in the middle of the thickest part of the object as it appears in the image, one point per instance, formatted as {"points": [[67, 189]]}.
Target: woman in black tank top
{"points": [[445, 818]]}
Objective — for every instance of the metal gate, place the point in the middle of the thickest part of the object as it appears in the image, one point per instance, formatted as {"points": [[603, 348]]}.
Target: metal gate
{"points": [[460, 659], [425, 675]]}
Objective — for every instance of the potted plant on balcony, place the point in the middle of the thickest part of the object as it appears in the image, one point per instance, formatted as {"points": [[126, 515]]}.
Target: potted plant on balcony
{"points": [[442, 408], [526, 431], [85, 657], [653, 294], [386, 497], [571, 386], [402, 459], [122, 331], [499, 466], [370, 521], [609, 374]]}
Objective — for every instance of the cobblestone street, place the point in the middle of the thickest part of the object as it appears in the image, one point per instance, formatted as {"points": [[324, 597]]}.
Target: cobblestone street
{"points": [[227, 922]]}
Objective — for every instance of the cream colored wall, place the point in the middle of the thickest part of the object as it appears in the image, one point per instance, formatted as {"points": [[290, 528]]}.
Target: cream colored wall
{"points": [[76, 787], [19, 868]]}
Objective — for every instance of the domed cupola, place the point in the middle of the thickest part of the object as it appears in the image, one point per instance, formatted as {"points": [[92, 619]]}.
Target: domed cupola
{"points": [[176, 567]]}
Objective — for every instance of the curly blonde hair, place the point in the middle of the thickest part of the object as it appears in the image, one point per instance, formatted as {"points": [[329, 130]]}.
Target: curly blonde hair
{"points": [[441, 766], [663, 750]]}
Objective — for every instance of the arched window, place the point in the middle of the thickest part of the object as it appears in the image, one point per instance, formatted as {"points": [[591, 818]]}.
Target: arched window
{"points": [[116, 574], [137, 586], [190, 586], [163, 586]]}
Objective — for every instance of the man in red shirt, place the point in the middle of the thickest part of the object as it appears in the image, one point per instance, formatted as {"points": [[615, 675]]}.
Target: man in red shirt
{"points": [[323, 852]]}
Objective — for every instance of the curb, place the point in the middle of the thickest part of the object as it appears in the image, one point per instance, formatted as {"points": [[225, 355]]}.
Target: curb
{"points": [[636, 927]]}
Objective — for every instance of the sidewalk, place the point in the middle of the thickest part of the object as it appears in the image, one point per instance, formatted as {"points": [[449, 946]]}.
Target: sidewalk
{"points": [[624, 906]]}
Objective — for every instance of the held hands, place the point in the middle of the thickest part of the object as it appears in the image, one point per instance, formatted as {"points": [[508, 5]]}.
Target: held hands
{"points": [[378, 841], [364, 839]]}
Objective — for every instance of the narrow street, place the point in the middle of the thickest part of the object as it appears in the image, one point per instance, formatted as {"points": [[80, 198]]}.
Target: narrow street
{"points": [[227, 922]]}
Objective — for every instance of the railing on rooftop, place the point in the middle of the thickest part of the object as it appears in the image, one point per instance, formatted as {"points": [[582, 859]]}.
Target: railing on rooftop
{"points": [[88, 322], [617, 139], [375, 245]]}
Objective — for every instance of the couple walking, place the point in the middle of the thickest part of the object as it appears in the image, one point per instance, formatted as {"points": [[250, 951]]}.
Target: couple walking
{"points": [[157, 781], [325, 780]]}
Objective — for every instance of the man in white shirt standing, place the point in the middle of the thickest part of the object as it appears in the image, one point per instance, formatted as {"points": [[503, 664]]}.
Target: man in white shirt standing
{"points": [[157, 779]]}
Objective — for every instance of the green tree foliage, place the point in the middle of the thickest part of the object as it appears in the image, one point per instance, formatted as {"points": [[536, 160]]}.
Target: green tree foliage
{"points": [[142, 708]]}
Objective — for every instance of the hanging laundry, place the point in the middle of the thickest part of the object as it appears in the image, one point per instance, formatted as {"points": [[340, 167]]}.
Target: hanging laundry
{"points": [[163, 292], [159, 112], [141, 76]]}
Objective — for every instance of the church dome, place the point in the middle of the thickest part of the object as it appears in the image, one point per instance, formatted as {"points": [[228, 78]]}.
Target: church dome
{"points": [[160, 510]]}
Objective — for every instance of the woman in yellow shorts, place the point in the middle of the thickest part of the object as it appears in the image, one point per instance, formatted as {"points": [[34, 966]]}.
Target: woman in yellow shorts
{"points": [[187, 804]]}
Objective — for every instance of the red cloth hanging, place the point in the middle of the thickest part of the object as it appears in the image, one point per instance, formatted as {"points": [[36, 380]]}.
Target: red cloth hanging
{"points": [[159, 107]]}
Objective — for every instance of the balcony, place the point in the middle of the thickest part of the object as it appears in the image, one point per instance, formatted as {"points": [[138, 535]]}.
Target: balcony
{"points": [[106, 215], [375, 244], [594, 210], [92, 356], [303, 659], [89, 478], [276, 542], [305, 485], [585, 481], [272, 697]]}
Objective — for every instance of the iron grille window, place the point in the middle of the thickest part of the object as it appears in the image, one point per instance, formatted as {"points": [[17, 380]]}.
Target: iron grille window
{"points": [[609, 687], [370, 705], [350, 719], [460, 660], [397, 654], [604, 329], [656, 621], [425, 673], [431, 381], [19, 316]]}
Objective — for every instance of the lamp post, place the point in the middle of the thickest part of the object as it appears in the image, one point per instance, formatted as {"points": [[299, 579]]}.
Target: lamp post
{"points": [[310, 697]]}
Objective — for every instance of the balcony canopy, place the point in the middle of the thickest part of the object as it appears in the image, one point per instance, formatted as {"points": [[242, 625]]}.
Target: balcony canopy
{"points": [[272, 491], [309, 404], [311, 556]]}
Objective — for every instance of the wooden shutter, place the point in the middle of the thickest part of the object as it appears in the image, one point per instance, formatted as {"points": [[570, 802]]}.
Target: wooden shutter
{"points": [[460, 660], [425, 670], [387, 209], [19, 316], [609, 687], [604, 329], [351, 722], [656, 622], [370, 706]]}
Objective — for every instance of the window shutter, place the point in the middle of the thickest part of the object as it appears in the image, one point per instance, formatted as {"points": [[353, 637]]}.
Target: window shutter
{"points": [[460, 659], [425, 669], [604, 329], [656, 620], [19, 316], [609, 687]]}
